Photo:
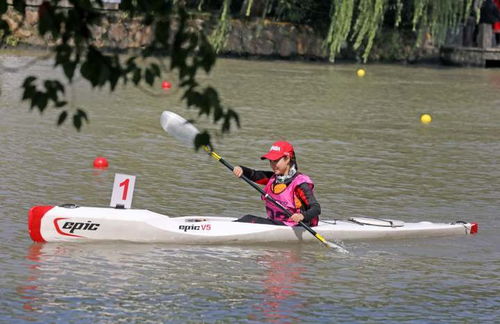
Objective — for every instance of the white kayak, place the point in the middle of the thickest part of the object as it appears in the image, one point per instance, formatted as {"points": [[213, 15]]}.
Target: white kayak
{"points": [[71, 223]]}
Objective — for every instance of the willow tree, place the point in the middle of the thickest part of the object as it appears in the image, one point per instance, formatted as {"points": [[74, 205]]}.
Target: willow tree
{"points": [[356, 23]]}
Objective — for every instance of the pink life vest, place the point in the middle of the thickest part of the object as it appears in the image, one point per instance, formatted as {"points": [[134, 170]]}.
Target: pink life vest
{"points": [[286, 198]]}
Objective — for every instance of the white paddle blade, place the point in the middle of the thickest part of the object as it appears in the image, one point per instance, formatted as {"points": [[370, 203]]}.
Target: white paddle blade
{"points": [[179, 128]]}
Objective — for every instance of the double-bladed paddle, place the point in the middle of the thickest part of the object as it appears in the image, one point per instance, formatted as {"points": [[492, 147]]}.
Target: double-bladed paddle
{"points": [[186, 132]]}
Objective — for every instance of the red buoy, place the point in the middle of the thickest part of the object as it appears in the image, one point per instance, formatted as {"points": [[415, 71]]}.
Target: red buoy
{"points": [[165, 85], [100, 162]]}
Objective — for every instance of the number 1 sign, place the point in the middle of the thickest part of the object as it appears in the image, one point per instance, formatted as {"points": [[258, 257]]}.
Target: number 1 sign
{"points": [[123, 190]]}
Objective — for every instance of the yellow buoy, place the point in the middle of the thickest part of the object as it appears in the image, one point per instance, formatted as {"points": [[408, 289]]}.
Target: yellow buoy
{"points": [[425, 118], [360, 73]]}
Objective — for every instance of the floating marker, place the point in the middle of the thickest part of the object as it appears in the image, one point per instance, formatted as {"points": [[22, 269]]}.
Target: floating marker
{"points": [[100, 162], [425, 118], [360, 73], [165, 85]]}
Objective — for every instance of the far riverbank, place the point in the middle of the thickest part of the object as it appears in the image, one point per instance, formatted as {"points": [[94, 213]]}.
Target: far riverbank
{"points": [[256, 38]]}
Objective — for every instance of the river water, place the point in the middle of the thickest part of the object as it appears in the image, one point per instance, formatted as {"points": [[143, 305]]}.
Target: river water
{"points": [[361, 141]]}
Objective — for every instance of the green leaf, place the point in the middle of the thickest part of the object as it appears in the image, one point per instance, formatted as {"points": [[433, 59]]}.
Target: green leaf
{"points": [[234, 116], [114, 78], [3, 6], [226, 125], [85, 69], [46, 19], [82, 114], [69, 70], [103, 74], [42, 101], [78, 117], [202, 139], [194, 98], [29, 92], [29, 80], [155, 69], [20, 6], [58, 86], [63, 54], [150, 77], [162, 32], [62, 117], [4, 28], [89, 72], [77, 122], [207, 55], [39, 100], [60, 104], [136, 78], [131, 60], [29, 89]]}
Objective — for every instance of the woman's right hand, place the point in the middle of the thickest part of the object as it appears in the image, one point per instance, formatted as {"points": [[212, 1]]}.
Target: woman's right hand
{"points": [[238, 171]]}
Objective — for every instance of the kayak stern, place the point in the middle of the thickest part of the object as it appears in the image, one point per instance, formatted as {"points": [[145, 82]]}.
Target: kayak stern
{"points": [[474, 228]]}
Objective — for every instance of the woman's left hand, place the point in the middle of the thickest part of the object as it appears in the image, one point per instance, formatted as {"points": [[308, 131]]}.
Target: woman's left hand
{"points": [[297, 218]]}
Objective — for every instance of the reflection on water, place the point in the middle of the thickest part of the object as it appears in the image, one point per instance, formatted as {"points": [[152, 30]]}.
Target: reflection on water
{"points": [[27, 292], [187, 279], [277, 284], [282, 273]]}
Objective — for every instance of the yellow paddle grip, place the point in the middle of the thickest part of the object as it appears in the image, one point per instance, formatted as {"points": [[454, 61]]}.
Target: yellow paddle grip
{"points": [[212, 153]]}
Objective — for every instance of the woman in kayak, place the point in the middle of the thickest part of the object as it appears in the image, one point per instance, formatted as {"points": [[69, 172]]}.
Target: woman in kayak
{"points": [[285, 184]]}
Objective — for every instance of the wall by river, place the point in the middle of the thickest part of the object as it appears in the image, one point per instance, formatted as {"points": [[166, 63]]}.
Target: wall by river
{"points": [[246, 38]]}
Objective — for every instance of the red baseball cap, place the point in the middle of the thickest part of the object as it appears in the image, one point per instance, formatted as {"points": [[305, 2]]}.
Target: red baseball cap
{"points": [[278, 150]]}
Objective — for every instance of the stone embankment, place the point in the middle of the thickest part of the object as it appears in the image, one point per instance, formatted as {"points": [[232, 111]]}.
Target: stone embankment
{"points": [[246, 38]]}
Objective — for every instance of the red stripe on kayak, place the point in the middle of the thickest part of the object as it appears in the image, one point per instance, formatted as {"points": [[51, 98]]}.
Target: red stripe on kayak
{"points": [[59, 230], [474, 227], [35, 216]]}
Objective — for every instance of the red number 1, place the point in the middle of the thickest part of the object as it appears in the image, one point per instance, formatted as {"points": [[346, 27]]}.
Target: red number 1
{"points": [[125, 190]]}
